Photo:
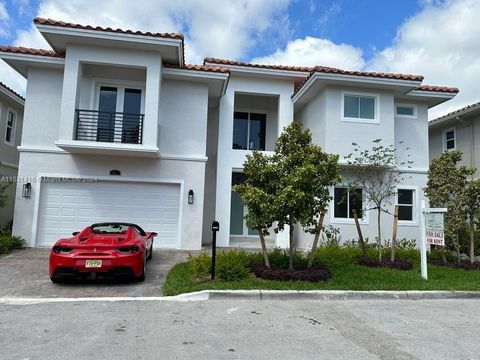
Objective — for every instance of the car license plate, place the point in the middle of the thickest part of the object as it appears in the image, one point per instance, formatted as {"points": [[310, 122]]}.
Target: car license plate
{"points": [[93, 263]]}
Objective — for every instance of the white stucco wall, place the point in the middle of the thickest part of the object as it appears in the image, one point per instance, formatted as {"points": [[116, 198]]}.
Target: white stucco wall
{"points": [[467, 140], [230, 159], [180, 128]]}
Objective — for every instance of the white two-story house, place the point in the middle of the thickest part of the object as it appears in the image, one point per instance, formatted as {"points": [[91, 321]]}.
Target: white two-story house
{"points": [[118, 127], [458, 130], [11, 120]]}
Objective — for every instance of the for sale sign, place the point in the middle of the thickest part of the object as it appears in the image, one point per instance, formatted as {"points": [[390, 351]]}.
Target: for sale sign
{"points": [[434, 229]]}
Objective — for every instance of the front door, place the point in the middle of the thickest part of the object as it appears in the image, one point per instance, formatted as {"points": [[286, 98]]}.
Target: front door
{"points": [[238, 210]]}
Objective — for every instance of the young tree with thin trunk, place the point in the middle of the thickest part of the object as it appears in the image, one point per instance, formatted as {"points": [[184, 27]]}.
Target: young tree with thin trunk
{"points": [[445, 188], [470, 202], [304, 174], [376, 172], [257, 193]]}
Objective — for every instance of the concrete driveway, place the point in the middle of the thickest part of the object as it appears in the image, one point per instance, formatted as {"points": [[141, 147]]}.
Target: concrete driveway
{"points": [[24, 273]]}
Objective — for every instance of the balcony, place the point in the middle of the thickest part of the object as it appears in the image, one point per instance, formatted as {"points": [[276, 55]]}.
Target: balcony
{"points": [[110, 127], [108, 133]]}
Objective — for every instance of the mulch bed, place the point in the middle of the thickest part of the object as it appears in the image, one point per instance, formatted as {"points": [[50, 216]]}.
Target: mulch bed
{"points": [[397, 264], [463, 265], [315, 274]]}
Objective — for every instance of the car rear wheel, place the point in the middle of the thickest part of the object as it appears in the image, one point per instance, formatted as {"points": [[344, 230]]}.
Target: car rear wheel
{"points": [[144, 270], [54, 280]]}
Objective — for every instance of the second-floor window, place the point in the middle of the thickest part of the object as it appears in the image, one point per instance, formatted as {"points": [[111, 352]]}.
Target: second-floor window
{"points": [[119, 114], [10, 127], [359, 107], [449, 140], [249, 131]]}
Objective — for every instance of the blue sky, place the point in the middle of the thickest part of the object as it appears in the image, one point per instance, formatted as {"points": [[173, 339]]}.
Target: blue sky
{"points": [[367, 24], [434, 38]]}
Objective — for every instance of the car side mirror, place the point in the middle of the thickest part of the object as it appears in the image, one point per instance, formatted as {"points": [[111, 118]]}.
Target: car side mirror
{"points": [[75, 233], [153, 234]]}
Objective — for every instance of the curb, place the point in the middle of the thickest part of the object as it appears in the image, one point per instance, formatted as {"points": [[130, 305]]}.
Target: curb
{"points": [[318, 295], [310, 295]]}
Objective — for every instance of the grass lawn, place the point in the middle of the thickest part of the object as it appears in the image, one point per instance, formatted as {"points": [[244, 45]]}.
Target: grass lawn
{"points": [[346, 277]]}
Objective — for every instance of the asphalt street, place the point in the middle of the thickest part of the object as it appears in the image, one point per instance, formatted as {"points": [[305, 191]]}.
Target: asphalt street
{"points": [[242, 329]]}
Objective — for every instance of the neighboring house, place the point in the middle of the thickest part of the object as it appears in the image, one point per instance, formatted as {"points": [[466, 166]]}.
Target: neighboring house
{"points": [[11, 120], [118, 127], [457, 130]]}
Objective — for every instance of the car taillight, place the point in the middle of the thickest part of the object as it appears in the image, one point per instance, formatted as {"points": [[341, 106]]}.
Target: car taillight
{"points": [[131, 249], [61, 249]]}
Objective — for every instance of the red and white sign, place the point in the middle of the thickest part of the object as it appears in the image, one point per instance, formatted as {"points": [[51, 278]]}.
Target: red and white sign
{"points": [[435, 234]]}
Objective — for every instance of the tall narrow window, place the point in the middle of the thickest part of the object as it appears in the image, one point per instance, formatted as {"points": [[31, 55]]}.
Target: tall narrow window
{"points": [[107, 107], [249, 131], [405, 204], [449, 139], [345, 200], [10, 128], [132, 103]]}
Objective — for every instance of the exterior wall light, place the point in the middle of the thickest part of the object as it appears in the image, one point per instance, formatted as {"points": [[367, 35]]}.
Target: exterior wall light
{"points": [[190, 196], [26, 190]]}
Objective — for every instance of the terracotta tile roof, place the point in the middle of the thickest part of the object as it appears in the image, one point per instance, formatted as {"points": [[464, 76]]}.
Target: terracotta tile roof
{"points": [[12, 91], [463, 110], [30, 51], [217, 69], [52, 22], [260, 66], [330, 70], [437, 88]]}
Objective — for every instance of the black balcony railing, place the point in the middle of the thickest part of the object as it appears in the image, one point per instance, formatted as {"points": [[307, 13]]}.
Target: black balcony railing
{"points": [[113, 127]]}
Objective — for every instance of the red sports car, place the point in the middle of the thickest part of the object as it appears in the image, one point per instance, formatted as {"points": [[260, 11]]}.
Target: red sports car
{"points": [[106, 249]]}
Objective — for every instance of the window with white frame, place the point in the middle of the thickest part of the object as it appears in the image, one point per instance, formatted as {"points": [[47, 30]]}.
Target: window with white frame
{"points": [[345, 200], [449, 142], [361, 107], [10, 127], [405, 110], [405, 201]]}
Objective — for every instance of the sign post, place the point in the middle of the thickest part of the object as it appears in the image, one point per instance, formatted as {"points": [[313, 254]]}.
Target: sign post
{"points": [[215, 228], [431, 224]]}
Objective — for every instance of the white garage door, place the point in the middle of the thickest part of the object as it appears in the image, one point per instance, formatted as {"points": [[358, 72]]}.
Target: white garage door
{"points": [[66, 207]]}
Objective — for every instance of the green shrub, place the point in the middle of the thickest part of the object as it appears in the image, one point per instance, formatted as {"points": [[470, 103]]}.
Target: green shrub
{"points": [[436, 255], [9, 243], [279, 259], [233, 265], [335, 256], [199, 265]]}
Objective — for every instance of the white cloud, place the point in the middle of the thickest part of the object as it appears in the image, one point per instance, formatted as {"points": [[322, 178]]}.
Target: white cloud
{"points": [[211, 28], [312, 51], [441, 42], [4, 19]]}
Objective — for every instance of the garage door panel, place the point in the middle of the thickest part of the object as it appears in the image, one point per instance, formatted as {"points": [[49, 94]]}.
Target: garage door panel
{"points": [[68, 207]]}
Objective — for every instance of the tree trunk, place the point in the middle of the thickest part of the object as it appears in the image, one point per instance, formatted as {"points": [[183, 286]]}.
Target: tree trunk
{"points": [[472, 240], [264, 247], [379, 229], [444, 257], [290, 252], [360, 235], [394, 234], [457, 244], [315, 240]]}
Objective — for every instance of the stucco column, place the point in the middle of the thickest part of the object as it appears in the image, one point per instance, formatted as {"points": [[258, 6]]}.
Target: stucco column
{"points": [[152, 94], [224, 169], [285, 117], [69, 98]]}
